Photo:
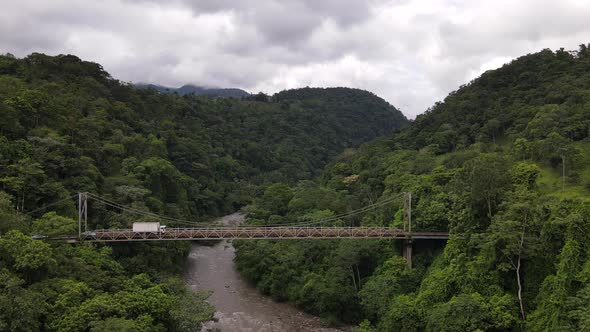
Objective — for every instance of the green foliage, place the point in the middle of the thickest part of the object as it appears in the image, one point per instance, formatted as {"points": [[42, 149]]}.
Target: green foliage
{"points": [[322, 277], [488, 178], [25, 255], [390, 280], [562, 298], [536, 94], [471, 312], [81, 288], [9, 219], [51, 224], [364, 326], [189, 311], [20, 308]]}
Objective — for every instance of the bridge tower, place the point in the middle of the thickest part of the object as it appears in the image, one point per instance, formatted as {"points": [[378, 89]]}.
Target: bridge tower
{"points": [[407, 226], [82, 213]]}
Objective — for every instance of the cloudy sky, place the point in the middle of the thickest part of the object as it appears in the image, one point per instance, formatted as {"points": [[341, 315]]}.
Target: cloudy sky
{"points": [[410, 52]]}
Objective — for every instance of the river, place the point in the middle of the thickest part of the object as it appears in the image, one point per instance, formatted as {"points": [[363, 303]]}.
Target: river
{"points": [[239, 305]]}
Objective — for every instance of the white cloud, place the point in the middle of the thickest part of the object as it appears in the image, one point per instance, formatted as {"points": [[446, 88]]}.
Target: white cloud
{"points": [[410, 52]]}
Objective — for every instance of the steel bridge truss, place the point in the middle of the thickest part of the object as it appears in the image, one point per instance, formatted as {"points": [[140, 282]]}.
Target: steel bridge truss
{"points": [[234, 233]]}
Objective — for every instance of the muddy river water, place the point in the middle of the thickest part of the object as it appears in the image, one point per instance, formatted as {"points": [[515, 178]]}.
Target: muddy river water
{"points": [[239, 306]]}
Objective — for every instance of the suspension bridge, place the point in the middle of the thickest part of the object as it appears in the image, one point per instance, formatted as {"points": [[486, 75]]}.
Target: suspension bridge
{"points": [[307, 229], [252, 233], [321, 228]]}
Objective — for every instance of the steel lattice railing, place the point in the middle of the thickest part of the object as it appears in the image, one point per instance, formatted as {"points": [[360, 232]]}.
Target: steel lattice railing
{"points": [[232, 233]]}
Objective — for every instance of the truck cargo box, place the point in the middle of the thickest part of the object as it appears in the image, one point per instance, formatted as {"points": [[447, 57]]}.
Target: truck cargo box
{"points": [[146, 227]]}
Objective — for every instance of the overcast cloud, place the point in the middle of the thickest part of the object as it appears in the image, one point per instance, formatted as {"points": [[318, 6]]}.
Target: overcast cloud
{"points": [[410, 52]]}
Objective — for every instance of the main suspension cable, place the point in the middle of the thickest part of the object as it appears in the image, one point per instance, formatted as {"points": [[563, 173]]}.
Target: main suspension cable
{"points": [[194, 223], [51, 204]]}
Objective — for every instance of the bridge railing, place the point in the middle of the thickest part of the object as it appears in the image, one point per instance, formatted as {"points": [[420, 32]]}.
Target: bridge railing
{"points": [[255, 232], [248, 228]]}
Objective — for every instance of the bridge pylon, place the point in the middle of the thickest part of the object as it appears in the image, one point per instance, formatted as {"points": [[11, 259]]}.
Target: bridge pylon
{"points": [[407, 226], [82, 213]]}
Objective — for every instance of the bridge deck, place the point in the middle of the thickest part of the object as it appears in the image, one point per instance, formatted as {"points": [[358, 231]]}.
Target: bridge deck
{"points": [[275, 233]]}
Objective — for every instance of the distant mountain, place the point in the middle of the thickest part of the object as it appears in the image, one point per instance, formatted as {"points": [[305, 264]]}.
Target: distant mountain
{"points": [[197, 90]]}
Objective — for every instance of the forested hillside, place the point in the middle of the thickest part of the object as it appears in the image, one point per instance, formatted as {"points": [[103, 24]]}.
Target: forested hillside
{"points": [[66, 126], [503, 163]]}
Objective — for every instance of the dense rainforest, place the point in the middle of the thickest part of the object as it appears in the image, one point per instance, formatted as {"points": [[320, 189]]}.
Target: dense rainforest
{"points": [[66, 126], [503, 164]]}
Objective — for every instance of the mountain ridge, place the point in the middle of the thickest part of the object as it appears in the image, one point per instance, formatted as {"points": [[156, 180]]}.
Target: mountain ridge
{"points": [[197, 90]]}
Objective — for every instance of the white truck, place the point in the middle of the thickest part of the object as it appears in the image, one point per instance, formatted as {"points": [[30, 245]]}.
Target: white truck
{"points": [[148, 227]]}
